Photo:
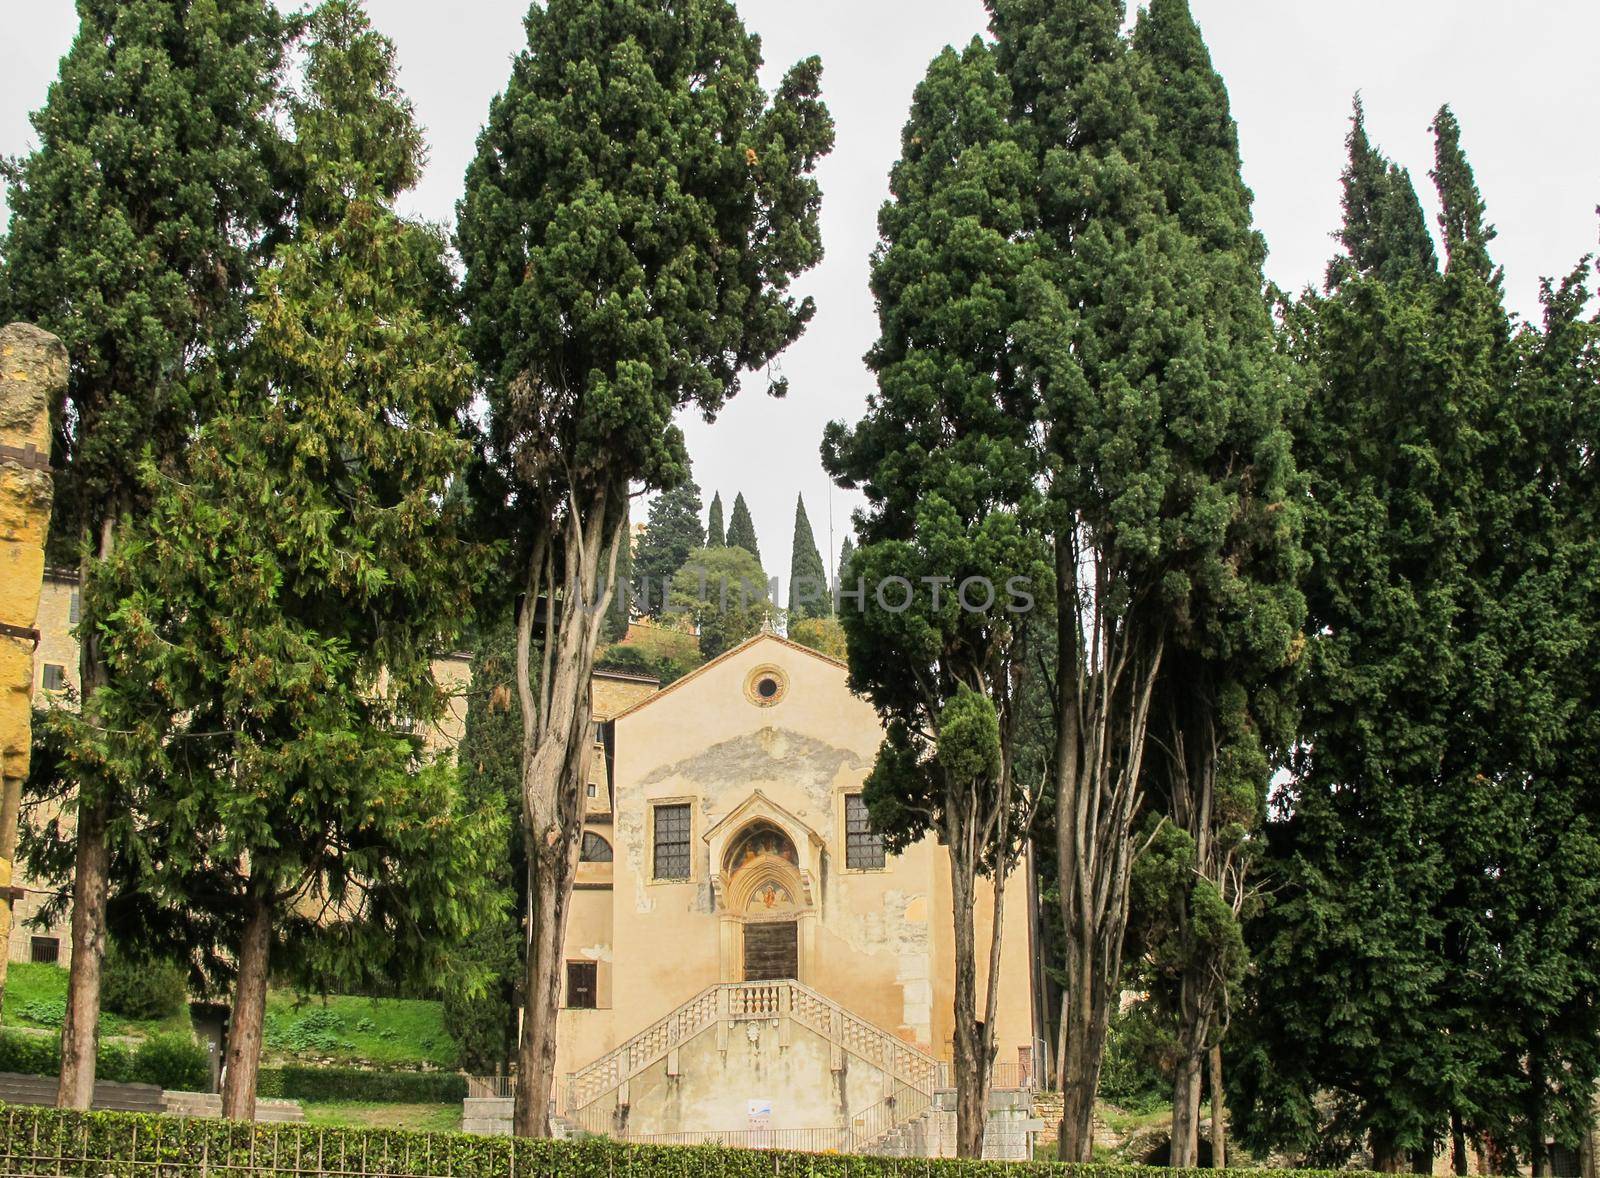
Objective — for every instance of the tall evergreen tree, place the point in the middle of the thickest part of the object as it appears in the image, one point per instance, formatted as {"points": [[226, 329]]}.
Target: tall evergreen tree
{"points": [[945, 459], [846, 551], [670, 534], [135, 227], [1229, 661], [1154, 428], [809, 595], [272, 619], [716, 536], [742, 529], [629, 232], [1438, 708]]}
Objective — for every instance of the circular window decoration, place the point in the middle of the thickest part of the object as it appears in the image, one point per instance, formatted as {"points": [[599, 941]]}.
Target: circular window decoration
{"points": [[765, 686]]}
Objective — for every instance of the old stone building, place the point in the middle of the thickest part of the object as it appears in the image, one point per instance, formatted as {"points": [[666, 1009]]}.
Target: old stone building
{"points": [[742, 955]]}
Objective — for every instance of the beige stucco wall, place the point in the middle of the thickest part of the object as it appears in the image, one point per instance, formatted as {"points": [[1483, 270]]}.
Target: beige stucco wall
{"points": [[877, 942]]}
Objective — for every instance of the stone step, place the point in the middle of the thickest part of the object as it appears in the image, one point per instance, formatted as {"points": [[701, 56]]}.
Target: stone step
{"points": [[269, 1111]]}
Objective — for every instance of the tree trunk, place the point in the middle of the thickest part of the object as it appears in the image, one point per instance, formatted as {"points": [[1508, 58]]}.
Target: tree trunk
{"points": [[91, 879], [972, 1034], [248, 1015], [1186, 1112], [1219, 1112], [1458, 1143], [1387, 1157], [549, 894], [1104, 694], [80, 1030], [1422, 1156], [556, 708]]}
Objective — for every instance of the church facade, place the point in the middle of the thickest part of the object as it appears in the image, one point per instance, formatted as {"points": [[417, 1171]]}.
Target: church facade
{"points": [[742, 955]]}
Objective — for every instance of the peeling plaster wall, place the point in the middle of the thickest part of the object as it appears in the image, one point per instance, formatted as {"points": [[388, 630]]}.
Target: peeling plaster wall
{"points": [[712, 1090]]}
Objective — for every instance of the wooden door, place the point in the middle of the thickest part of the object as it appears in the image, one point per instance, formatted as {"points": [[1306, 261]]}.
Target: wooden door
{"points": [[771, 950]]}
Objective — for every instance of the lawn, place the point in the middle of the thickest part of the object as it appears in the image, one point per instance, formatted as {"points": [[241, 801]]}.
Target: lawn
{"points": [[345, 1114], [340, 1029], [36, 996], [349, 1030]]}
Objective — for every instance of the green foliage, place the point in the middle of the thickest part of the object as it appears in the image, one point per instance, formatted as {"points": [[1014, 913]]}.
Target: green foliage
{"points": [[490, 755], [387, 1087], [824, 635], [716, 537], [175, 1061], [178, 1144], [1435, 830], [807, 575], [670, 535], [629, 233], [171, 1060], [742, 528], [141, 989], [664, 652], [360, 1031], [136, 226], [270, 620], [725, 594], [1137, 1073]]}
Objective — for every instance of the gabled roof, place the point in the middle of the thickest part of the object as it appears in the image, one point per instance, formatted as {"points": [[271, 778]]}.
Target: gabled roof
{"points": [[724, 657]]}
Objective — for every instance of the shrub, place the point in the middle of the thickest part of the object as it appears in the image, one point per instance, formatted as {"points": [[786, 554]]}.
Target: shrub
{"points": [[297, 1083], [178, 1145], [144, 990], [153, 1063], [173, 1061]]}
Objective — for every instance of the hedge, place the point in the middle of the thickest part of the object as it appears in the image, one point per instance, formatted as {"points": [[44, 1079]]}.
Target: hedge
{"points": [[103, 1145], [302, 1083], [168, 1061]]}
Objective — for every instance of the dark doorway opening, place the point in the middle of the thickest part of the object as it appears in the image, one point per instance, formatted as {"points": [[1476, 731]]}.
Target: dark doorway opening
{"points": [[771, 950]]}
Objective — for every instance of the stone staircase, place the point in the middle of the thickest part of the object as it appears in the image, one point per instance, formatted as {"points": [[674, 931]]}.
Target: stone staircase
{"points": [[911, 1075]]}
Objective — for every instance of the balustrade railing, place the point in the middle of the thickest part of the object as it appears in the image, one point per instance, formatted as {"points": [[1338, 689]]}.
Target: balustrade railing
{"points": [[581, 1098]]}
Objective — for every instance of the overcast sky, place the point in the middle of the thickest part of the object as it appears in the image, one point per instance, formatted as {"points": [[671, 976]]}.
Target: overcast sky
{"points": [[1520, 74]]}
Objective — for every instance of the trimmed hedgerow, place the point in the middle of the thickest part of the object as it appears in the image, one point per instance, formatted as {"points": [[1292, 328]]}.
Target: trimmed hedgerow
{"points": [[70, 1143], [300, 1083], [169, 1061]]}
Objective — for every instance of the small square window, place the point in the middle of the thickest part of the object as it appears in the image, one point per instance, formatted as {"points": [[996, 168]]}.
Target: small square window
{"points": [[672, 841], [594, 790], [583, 985], [55, 676], [45, 950], [863, 846]]}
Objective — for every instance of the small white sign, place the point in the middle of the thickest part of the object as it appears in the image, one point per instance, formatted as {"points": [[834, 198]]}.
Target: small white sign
{"points": [[760, 1114]]}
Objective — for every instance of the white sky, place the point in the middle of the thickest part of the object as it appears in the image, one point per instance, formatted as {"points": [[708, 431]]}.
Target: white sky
{"points": [[1519, 73]]}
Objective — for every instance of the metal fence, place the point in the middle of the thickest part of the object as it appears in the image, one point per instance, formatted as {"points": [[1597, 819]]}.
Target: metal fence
{"points": [[169, 1148]]}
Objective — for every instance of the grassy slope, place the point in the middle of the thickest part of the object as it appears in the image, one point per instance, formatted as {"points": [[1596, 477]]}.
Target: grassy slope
{"points": [[344, 1028], [36, 996], [341, 1029]]}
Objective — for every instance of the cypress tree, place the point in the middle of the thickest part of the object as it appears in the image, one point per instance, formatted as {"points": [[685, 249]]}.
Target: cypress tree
{"points": [[670, 534], [808, 578], [947, 463], [695, 205], [742, 529], [279, 604], [846, 550], [1229, 657], [1153, 429], [135, 228], [715, 536]]}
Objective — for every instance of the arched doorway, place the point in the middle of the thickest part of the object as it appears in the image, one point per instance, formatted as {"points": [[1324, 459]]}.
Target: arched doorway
{"points": [[764, 901]]}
